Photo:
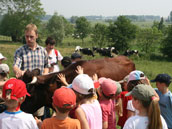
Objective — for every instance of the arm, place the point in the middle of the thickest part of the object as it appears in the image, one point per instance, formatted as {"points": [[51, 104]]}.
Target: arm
{"points": [[105, 124], [17, 64], [38, 122], [62, 78], [46, 70], [82, 118], [148, 83], [118, 107], [18, 73], [79, 70]]}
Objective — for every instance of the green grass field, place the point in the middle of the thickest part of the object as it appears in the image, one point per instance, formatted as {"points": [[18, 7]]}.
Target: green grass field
{"points": [[150, 67]]}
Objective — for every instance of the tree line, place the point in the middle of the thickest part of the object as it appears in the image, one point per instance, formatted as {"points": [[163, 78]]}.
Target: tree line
{"points": [[120, 33]]}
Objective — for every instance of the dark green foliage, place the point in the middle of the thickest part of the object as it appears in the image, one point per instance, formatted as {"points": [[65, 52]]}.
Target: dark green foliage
{"points": [[17, 15], [99, 34], [56, 28], [148, 39], [82, 28], [167, 43], [73, 19], [121, 33]]}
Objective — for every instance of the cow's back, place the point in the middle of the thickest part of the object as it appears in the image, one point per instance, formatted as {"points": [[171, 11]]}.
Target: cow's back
{"points": [[115, 68]]}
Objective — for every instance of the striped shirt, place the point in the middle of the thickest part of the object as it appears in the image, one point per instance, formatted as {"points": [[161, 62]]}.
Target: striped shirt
{"points": [[26, 58]]}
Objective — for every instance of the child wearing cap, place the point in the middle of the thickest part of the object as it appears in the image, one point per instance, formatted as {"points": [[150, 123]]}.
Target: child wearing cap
{"points": [[75, 57], [148, 116], [124, 99], [14, 94], [66, 61], [4, 70], [89, 111], [162, 83], [2, 58], [106, 92], [64, 100], [136, 77]]}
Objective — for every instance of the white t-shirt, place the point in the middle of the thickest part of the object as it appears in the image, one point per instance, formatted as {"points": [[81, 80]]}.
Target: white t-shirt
{"points": [[53, 59], [141, 122], [17, 120], [131, 107]]}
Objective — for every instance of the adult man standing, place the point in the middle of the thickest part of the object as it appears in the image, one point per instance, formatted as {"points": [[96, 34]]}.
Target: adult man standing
{"points": [[31, 55]]}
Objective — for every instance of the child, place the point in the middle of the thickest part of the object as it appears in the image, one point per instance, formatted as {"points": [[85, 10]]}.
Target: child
{"points": [[2, 58], [54, 56], [148, 116], [14, 94], [135, 77], [162, 83], [4, 70], [66, 61], [107, 91], [64, 100], [124, 99], [89, 112], [75, 57]]}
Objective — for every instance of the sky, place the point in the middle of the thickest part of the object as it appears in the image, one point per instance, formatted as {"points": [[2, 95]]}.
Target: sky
{"points": [[69, 8]]}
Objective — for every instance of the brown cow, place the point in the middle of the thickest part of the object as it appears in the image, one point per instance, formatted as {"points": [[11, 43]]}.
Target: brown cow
{"points": [[42, 90]]}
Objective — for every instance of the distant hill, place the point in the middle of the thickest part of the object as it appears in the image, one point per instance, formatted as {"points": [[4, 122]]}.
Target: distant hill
{"points": [[136, 18], [105, 18]]}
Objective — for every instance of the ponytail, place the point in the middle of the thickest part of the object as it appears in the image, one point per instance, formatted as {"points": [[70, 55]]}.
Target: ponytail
{"points": [[154, 115]]}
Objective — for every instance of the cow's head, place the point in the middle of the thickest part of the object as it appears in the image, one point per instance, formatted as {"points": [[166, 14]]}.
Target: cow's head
{"points": [[28, 75], [41, 90]]}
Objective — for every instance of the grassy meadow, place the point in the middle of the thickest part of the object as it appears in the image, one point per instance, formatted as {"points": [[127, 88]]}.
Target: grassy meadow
{"points": [[150, 67]]}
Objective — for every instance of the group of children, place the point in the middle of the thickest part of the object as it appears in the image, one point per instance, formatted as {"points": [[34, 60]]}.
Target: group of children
{"points": [[92, 103]]}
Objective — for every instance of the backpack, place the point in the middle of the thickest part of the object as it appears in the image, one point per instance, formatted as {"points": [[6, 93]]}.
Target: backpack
{"points": [[56, 52]]}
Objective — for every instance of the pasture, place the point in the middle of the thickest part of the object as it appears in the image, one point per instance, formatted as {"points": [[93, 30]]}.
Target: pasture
{"points": [[150, 67]]}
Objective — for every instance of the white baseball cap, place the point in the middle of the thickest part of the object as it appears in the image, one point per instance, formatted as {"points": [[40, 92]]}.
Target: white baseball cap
{"points": [[4, 68], [2, 57], [82, 84]]}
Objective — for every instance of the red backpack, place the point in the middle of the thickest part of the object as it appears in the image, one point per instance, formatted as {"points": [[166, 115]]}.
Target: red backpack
{"points": [[56, 52]]}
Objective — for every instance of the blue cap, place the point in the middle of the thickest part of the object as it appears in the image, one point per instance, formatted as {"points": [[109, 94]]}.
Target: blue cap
{"points": [[162, 78]]}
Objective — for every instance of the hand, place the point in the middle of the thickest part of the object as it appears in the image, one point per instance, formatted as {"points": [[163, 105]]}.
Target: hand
{"points": [[62, 78], [95, 77], [38, 122], [19, 73], [147, 81], [79, 70]]}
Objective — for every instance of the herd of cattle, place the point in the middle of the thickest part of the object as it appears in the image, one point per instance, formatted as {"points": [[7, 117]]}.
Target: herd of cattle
{"points": [[42, 87], [107, 52]]}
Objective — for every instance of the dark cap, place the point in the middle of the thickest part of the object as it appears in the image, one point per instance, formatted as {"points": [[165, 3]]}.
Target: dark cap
{"points": [[142, 92], [75, 55], [66, 61], [162, 78]]}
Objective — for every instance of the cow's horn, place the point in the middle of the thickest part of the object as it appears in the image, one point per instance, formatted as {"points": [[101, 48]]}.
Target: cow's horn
{"points": [[34, 80]]}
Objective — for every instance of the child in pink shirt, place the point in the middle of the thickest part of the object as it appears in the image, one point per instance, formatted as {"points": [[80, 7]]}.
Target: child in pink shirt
{"points": [[107, 91]]}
